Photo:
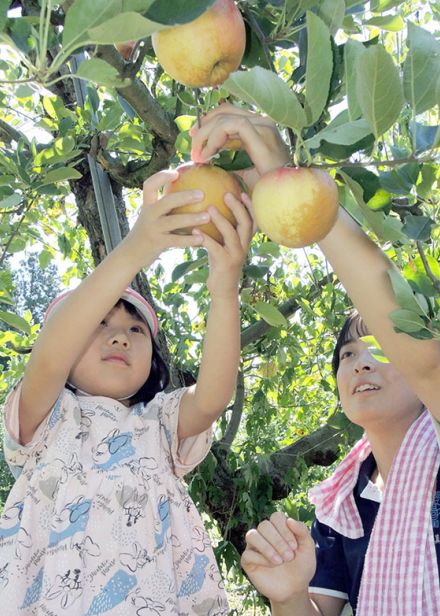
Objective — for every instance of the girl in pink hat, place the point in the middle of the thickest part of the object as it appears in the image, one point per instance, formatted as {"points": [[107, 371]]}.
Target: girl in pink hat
{"points": [[98, 521]]}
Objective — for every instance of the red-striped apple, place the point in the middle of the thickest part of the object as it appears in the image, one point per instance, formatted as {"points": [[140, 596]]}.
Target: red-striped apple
{"points": [[295, 207], [205, 51]]}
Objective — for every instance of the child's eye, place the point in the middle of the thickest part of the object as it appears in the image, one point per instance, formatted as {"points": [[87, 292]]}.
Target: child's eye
{"points": [[345, 355], [137, 329]]}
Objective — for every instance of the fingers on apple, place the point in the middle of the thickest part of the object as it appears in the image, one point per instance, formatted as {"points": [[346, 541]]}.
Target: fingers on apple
{"points": [[179, 199], [174, 222], [187, 241], [213, 135], [245, 223], [155, 183]]}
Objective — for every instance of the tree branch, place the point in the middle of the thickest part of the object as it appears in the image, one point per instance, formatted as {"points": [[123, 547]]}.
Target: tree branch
{"points": [[435, 281], [237, 412], [260, 328], [137, 94]]}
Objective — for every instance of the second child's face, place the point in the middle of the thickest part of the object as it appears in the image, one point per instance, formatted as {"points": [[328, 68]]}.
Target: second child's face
{"points": [[117, 360], [372, 393]]}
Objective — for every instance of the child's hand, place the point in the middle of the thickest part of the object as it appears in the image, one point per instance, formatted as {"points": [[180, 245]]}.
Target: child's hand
{"points": [[258, 134], [226, 262], [279, 557], [154, 230]]}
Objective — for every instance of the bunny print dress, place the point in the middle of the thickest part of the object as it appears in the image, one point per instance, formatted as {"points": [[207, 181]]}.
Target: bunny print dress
{"points": [[98, 520]]}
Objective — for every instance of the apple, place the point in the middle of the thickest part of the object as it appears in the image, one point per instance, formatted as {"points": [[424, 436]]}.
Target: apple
{"points": [[126, 49], [295, 207], [205, 51], [214, 182]]}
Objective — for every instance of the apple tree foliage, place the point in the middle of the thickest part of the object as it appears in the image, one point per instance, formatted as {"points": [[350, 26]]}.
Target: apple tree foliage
{"points": [[355, 88]]}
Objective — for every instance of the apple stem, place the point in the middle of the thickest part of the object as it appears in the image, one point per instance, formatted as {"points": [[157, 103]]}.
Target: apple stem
{"points": [[199, 104]]}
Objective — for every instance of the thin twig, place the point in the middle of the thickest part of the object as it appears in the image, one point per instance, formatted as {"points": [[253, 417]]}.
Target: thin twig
{"points": [[435, 281]]}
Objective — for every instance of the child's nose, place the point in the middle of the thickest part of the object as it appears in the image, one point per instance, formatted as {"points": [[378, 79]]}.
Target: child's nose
{"points": [[118, 337]]}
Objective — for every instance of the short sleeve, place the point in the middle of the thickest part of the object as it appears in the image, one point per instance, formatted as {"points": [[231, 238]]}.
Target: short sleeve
{"points": [[330, 577], [16, 454], [189, 452]]}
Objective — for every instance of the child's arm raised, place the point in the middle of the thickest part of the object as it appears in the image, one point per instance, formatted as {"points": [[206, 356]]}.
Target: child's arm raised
{"points": [[258, 135], [204, 402], [66, 334], [359, 263], [363, 268]]}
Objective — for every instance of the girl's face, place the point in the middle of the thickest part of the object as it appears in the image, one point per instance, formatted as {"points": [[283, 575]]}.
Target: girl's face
{"points": [[373, 393], [117, 360]]}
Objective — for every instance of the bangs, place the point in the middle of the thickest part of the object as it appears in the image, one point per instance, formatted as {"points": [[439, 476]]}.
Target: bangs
{"points": [[353, 329]]}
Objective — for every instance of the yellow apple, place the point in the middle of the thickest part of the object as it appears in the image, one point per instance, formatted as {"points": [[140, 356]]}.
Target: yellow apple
{"points": [[295, 207], [214, 182], [205, 51]]}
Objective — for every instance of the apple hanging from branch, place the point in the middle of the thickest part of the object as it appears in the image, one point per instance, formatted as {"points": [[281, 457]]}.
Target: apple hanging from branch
{"points": [[295, 206], [205, 51]]}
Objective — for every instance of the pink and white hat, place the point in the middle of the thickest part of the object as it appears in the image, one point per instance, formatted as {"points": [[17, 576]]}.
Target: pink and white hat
{"points": [[129, 295]]}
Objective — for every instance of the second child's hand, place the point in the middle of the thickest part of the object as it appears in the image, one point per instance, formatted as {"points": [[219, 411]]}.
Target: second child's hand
{"points": [[258, 134], [226, 261]]}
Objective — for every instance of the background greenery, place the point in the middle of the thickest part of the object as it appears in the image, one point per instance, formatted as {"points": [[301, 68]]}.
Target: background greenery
{"points": [[355, 87]]}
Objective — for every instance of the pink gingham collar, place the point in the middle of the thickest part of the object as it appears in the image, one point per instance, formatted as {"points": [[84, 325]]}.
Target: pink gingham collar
{"points": [[400, 575]]}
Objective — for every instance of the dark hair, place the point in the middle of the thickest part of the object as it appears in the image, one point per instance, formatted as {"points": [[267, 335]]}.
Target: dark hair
{"points": [[159, 376], [353, 328]]}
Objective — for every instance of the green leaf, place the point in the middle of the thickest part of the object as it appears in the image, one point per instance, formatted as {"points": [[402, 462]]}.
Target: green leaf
{"points": [[385, 227], [375, 349], [426, 137], [15, 321], [264, 89], [140, 6], [100, 72], [421, 69], [419, 280], [270, 314], [391, 23], [24, 91], [332, 12], [407, 321], [177, 11], [319, 67], [4, 6], [367, 179], [378, 6], [84, 15], [17, 245], [428, 176], [418, 227], [11, 202], [352, 50], [344, 134], [188, 266], [404, 294], [402, 180], [379, 89], [44, 258], [121, 28], [60, 175]]}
